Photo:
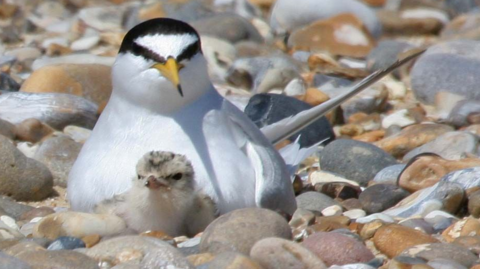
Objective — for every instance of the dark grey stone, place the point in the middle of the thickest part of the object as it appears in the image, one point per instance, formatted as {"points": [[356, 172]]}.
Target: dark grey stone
{"points": [[380, 197], [265, 109], [354, 160], [389, 174], [12, 208], [66, 242], [444, 67], [7, 83], [314, 201]]}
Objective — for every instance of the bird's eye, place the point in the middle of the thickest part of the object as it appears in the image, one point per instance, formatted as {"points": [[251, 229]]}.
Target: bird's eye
{"points": [[177, 176], [139, 177]]}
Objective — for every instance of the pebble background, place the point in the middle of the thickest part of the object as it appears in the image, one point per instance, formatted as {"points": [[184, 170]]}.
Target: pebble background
{"points": [[397, 185]]}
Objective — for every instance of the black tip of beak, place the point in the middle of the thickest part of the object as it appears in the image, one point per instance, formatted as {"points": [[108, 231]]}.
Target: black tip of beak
{"points": [[180, 90]]}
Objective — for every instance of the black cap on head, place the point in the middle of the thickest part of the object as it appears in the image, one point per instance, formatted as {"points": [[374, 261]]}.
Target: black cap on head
{"points": [[163, 26]]}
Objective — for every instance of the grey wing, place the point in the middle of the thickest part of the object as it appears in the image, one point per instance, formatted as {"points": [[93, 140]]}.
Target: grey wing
{"points": [[273, 188]]}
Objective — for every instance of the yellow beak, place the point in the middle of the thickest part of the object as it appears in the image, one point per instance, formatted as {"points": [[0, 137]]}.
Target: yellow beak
{"points": [[170, 70]]}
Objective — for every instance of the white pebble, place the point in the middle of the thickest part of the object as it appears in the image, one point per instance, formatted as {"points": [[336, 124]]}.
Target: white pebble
{"points": [[334, 210]]}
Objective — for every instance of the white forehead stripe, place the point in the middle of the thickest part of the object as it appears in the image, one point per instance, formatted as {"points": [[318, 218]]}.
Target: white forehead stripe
{"points": [[166, 45]]}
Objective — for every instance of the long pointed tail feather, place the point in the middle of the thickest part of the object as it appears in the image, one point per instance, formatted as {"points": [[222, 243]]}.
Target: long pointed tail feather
{"points": [[285, 128]]}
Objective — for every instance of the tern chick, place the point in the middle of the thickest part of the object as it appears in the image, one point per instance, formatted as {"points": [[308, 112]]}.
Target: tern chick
{"points": [[163, 197]]}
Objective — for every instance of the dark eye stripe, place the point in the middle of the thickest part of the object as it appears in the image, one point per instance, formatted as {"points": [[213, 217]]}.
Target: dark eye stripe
{"points": [[189, 51]]}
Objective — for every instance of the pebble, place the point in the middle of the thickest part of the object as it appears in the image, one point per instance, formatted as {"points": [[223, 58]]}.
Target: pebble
{"points": [[314, 201], [12, 208], [57, 259], [220, 26], [341, 35], [272, 253], [233, 260], [380, 197], [389, 174], [7, 129], [239, 230], [426, 170], [411, 137], [78, 224], [404, 238], [355, 160], [433, 251], [450, 146], [54, 109], [22, 178], [7, 83], [443, 67], [8, 261], [58, 153], [91, 81], [32, 130], [287, 15], [165, 256], [386, 53], [334, 248]]}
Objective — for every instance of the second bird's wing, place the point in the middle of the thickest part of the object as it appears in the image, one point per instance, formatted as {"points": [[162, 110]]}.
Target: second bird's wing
{"points": [[273, 188]]}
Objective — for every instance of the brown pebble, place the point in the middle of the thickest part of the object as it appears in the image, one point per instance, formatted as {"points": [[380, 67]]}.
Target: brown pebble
{"points": [[403, 238], [91, 240], [32, 130], [201, 258], [466, 227], [157, 234]]}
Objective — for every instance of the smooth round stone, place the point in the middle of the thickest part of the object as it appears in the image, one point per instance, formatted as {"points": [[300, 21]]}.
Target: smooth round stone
{"points": [[389, 174], [474, 204], [467, 178], [23, 246], [54, 109], [450, 146], [58, 153], [385, 54], [128, 248], [380, 197], [355, 213], [200, 259], [7, 129], [435, 251], [440, 263], [7, 262], [239, 230], [412, 137], [262, 74], [418, 224], [232, 260], [426, 169], [288, 16], [472, 242], [78, 134], [445, 196], [376, 216], [463, 113], [230, 27], [445, 66], [92, 81], [273, 253], [355, 160], [266, 109], [66, 242], [333, 210], [12, 208], [78, 224], [334, 248], [165, 256], [352, 266], [314, 201], [22, 178], [337, 190], [440, 220], [404, 237], [57, 259], [400, 262], [343, 35], [32, 130], [467, 226]]}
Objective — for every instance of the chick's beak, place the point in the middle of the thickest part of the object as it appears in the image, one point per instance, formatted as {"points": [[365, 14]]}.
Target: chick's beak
{"points": [[170, 70], [154, 183]]}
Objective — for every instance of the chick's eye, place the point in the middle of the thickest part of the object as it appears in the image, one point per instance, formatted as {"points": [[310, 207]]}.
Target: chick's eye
{"points": [[139, 177], [177, 176]]}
